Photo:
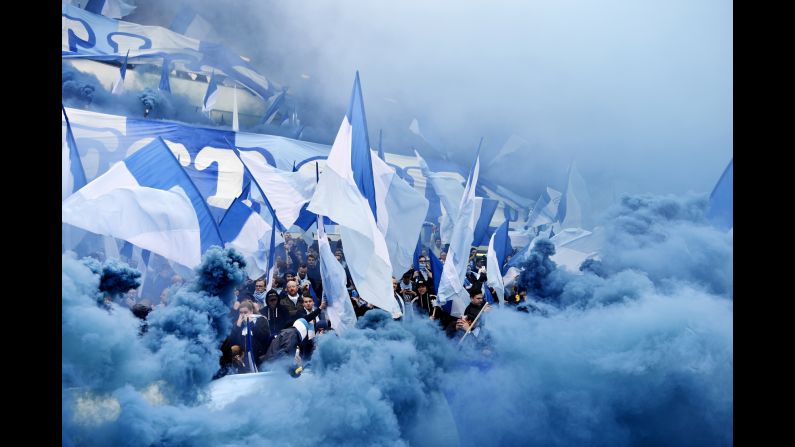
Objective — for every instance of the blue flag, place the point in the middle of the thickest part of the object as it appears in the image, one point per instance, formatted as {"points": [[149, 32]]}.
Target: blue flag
{"points": [[276, 102], [361, 161], [721, 201], [487, 294], [436, 270], [165, 85], [211, 95], [74, 177]]}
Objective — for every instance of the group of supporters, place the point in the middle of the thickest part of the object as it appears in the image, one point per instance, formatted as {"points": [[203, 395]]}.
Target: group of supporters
{"points": [[281, 316]]}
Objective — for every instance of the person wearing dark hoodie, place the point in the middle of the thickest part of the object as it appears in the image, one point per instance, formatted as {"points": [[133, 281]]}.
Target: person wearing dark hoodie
{"points": [[278, 316]]}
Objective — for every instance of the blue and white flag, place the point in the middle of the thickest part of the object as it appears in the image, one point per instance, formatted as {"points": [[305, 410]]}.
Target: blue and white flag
{"points": [[575, 203], [487, 296], [338, 303], [449, 191], [450, 286], [118, 86], [114, 9], [436, 269], [235, 118], [721, 201], [274, 103], [90, 36], [484, 213], [400, 215], [211, 95], [73, 176], [346, 194], [150, 201], [545, 210], [499, 247], [244, 229], [165, 85], [187, 22], [287, 192]]}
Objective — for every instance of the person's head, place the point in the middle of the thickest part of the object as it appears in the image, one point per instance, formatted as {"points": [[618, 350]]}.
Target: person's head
{"points": [[164, 297], [246, 308], [476, 297], [302, 271], [311, 260], [394, 284], [443, 256], [406, 277], [292, 288], [308, 303], [338, 255], [288, 237], [177, 279], [272, 299], [259, 286], [423, 261], [289, 276], [422, 288]]}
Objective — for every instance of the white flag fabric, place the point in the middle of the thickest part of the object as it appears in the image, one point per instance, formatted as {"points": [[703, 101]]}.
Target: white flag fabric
{"points": [[340, 198], [450, 287], [400, 216], [235, 122], [339, 308], [545, 210], [149, 201], [287, 192], [574, 210], [246, 231], [449, 191]]}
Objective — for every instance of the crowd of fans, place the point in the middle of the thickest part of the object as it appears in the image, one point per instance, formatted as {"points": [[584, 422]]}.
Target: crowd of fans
{"points": [[280, 316]]}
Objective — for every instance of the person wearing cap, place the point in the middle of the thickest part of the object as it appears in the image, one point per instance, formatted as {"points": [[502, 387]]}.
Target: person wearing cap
{"points": [[278, 316]]}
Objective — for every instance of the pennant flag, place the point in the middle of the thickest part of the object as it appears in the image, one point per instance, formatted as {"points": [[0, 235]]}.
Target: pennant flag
{"points": [[275, 102], [499, 247], [574, 208], [271, 257], [436, 269], [450, 286], [188, 23], [721, 201], [545, 210], [338, 303], [380, 147], [211, 96], [118, 86], [286, 192], [73, 177], [114, 9], [512, 145], [150, 201], [484, 213], [250, 348], [165, 85], [346, 194], [244, 229], [235, 121]]}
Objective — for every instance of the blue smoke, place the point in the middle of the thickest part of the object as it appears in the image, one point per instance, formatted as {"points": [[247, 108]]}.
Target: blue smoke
{"points": [[638, 355], [84, 91], [115, 277]]}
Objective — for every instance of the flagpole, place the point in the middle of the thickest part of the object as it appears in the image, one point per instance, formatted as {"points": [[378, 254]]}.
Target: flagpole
{"points": [[473, 324]]}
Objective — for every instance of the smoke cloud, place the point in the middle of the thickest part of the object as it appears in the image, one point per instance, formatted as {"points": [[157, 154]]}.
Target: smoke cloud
{"points": [[639, 94], [640, 354]]}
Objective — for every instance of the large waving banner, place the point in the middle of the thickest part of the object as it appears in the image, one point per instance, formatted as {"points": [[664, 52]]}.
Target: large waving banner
{"points": [[92, 36], [103, 140]]}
